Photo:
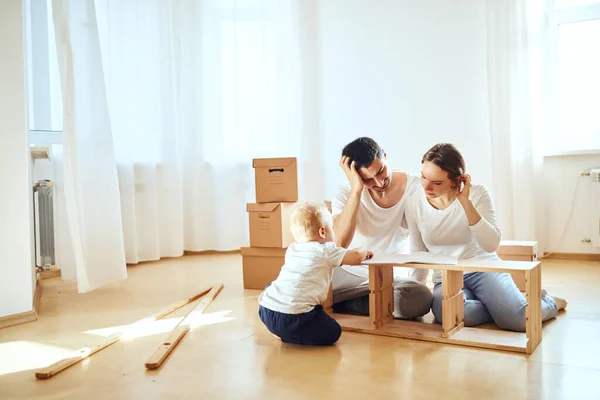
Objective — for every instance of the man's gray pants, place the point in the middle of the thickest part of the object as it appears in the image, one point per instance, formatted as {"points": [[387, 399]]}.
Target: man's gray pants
{"points": [[351, 292]]}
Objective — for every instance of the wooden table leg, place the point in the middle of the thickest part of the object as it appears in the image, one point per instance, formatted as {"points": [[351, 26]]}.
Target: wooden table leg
{"points": [[453, 307], [381, 298], [533, 294]]}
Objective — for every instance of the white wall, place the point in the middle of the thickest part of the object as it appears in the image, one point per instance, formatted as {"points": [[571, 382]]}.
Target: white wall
{"points": [[409, 74], [413, 73], [16, 262], [568, 193]]}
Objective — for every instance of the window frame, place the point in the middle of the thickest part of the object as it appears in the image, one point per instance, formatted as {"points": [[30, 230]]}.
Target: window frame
{"points": [[557, 16], [41, 91]]}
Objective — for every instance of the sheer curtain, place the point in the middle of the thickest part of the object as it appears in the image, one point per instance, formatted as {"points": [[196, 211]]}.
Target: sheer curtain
{"points": [[194, 90], [516, 56], [91, 196]]}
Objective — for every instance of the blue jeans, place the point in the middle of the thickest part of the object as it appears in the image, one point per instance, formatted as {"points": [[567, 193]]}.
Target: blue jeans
{"points": [[493, 297]]}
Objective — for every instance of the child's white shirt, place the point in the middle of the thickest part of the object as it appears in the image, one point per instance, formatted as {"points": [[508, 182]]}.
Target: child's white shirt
{"points": [[304, 279]]}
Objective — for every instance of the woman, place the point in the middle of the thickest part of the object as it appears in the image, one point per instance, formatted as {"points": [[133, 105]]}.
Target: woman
{"points": [[456, 218]]}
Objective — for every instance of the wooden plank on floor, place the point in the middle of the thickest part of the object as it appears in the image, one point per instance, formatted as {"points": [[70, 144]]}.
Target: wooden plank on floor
{"points": [[83, 353], [167, 346], [63, 364], [176, 306]]}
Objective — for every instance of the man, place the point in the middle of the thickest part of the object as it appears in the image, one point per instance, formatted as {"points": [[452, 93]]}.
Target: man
{"points": [[368, 212]]}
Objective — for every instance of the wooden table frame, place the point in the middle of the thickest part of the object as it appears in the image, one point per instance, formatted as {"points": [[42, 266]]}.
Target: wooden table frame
{"points": [[380, 320]]}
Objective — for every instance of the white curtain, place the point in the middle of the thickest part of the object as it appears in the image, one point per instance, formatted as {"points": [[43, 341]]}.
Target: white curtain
{"points": [[515, 48], [90, 180], [195, 90]]}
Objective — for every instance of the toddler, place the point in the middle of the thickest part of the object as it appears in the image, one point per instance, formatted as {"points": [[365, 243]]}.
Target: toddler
{"points": [[290, 306]]}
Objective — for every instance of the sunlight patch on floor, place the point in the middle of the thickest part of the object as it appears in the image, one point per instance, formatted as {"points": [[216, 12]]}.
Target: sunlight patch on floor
{"points": [[24, 355], [149, 327]]}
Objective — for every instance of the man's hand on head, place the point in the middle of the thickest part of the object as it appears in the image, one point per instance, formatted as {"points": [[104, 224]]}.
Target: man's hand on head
{"points": [[349, 168]]}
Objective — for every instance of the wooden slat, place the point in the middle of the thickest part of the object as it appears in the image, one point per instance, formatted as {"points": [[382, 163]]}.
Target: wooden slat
{"points": [[454, 330], [452, 283], [63, 364], [380, 277], [176, 306], [533, 327], [463, 265], [163, 351], [381, 298], [381, 306], [519, 278], [453, 313], [167, 347], [83, 353], [471, 337]]}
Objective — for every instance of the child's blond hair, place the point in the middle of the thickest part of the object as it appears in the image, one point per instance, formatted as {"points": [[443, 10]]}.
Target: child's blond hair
{"points": [[306, 220]]}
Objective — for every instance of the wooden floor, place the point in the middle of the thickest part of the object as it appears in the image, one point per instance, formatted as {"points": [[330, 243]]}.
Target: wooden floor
{"points": [[228, 354]]}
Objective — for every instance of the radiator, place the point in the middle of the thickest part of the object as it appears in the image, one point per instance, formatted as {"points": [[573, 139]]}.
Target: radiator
{"points": [[595, 191], [43, 215]]}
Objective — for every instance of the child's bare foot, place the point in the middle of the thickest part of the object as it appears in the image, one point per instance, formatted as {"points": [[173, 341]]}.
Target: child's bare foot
{"points": [[561, 303], [275, 336]]}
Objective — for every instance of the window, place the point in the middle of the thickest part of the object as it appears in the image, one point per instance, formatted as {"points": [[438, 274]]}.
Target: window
{"points": [[575, 33], [253, 99], [44, 91]]}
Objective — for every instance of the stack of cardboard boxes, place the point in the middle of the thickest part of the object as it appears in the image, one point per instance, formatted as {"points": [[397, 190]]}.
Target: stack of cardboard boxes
{"points": [[276, 181]]}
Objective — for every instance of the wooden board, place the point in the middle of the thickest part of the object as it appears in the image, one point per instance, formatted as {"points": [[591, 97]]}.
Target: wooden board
{"points": [[167, 346], [472, 337], [533, 325], [176, 306], [381, 306], [463, 265], [381, 298], [83, 353], [453, 313], [452, 283], [380, 277], [63, 364]]}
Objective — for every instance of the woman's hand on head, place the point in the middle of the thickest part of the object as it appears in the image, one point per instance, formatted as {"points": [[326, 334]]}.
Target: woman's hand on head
{"points": [[464, 188]]}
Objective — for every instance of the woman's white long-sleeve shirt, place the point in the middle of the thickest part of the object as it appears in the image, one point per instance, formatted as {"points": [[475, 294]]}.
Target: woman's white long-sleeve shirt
{"points": [[447, 232]]}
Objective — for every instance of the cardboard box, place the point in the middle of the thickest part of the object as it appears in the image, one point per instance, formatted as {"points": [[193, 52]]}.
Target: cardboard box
{"points": [[514, 250], [261, 266], [518, 248], [276, 179], [270, 224]]}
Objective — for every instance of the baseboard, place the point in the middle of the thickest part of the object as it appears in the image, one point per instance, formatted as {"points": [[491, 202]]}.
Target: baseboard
{"points": [[572, 256], [29, 316], [17, 319], [210, 252]]}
